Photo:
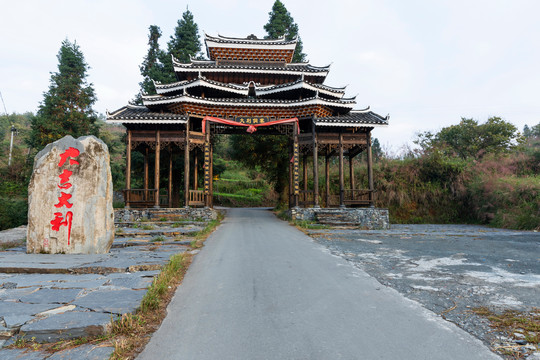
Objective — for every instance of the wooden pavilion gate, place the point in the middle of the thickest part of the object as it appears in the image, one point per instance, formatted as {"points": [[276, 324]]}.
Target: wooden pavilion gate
{"points": [[196, 139]]}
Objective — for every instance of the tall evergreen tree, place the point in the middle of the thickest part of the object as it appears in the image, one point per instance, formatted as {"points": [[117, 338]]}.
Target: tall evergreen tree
{"points": [[281, 23], [66, 108], [184, 43], [152, 68]]}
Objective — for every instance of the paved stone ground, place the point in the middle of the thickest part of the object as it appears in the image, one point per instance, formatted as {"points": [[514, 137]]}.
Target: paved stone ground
{"points": [[52, 297], [450, 269]]}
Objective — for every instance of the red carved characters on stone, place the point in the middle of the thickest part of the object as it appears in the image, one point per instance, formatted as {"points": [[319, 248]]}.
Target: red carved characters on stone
{"points": [[63, 200], [59, 219], [69, 153], [64, 178]]}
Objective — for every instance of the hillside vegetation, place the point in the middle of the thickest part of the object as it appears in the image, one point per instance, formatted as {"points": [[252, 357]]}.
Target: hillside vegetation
{"points": [[499, 186]]}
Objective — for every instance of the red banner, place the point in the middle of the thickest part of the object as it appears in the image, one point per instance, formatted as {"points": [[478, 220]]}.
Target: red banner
{"points": [[250, 128]]}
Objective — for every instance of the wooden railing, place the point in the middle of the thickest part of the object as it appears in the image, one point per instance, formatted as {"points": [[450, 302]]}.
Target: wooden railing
{"points": [[359, 197], [305, 198], [144, 198], [196, 198], [353, 197], [140, 197]]}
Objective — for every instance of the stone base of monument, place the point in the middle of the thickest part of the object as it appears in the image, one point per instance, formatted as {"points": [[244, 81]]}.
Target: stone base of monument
{"points": [[365, 218]]}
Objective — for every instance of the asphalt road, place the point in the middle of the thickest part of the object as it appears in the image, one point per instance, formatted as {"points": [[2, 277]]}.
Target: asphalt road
{"points": [[260, 289]]}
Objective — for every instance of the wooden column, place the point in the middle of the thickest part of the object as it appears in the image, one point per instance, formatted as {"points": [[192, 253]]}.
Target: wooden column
{"points": [[128, 168], [211, 176], [156, 170], [327, 177], [207, 165], [315, 170], [291, 169], [351, 174], [145, 181], [170, 175], [296, 184], [195, 171], [341, 177], [304, 171], [370, 170], [186, 167]]}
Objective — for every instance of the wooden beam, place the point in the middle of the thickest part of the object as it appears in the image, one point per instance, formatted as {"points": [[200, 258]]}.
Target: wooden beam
{"points": [[156, 171]]}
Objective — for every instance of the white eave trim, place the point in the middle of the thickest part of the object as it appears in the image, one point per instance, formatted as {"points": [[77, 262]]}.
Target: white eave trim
{"points": [[145, 121], [349, 124], [248, 45], [256, 71], [159, 100], [163, 89]]}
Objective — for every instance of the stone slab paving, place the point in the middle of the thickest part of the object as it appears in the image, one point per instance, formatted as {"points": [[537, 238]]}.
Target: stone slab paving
{"points": [[132, 258], [84, 352], [13, 235], [449, 269], [54, 297]]}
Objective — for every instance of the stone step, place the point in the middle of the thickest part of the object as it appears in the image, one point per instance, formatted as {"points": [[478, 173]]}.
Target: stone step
{"points": [[330, 219]]}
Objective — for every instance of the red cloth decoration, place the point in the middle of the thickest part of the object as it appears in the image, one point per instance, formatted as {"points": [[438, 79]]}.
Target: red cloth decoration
{"points": [[251, 128]]}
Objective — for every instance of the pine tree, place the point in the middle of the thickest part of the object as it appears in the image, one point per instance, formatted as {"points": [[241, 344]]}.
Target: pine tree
{"points": [[280, 24], [184, 43], [66, 108], [152, 68]]}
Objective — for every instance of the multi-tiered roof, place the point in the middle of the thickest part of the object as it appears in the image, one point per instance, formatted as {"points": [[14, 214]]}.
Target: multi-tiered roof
{"points": [[248, 77]]}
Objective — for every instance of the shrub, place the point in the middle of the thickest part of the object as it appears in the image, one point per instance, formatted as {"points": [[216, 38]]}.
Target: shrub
{"points": [[13, 212]]}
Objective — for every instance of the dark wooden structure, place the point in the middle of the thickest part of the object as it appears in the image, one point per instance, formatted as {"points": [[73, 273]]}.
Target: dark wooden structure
{"points": [[247, 84]]}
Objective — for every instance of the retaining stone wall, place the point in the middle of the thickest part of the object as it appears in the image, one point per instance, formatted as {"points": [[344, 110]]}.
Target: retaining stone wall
{"points": [[205, 214], [366, 218]]}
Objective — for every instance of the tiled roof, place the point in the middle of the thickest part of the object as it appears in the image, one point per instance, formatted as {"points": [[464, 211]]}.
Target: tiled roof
{"points": [[209, 65], [251, 40], [354, 118], [185, 98], [135, 114], [243, 89]]}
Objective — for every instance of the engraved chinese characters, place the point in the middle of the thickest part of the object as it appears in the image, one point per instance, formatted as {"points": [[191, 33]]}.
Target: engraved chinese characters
{"points": [[70, 198], [59, 218]]}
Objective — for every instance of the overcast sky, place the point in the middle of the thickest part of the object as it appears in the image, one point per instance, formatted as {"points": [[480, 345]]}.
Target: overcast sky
{"points": [[427, 63]]}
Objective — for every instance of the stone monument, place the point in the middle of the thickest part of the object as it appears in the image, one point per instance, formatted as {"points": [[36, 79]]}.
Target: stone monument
{"points": [[70, 198]]}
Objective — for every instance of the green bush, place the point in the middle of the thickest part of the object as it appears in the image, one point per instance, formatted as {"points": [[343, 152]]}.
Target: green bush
{"points": [[13, 212]]}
